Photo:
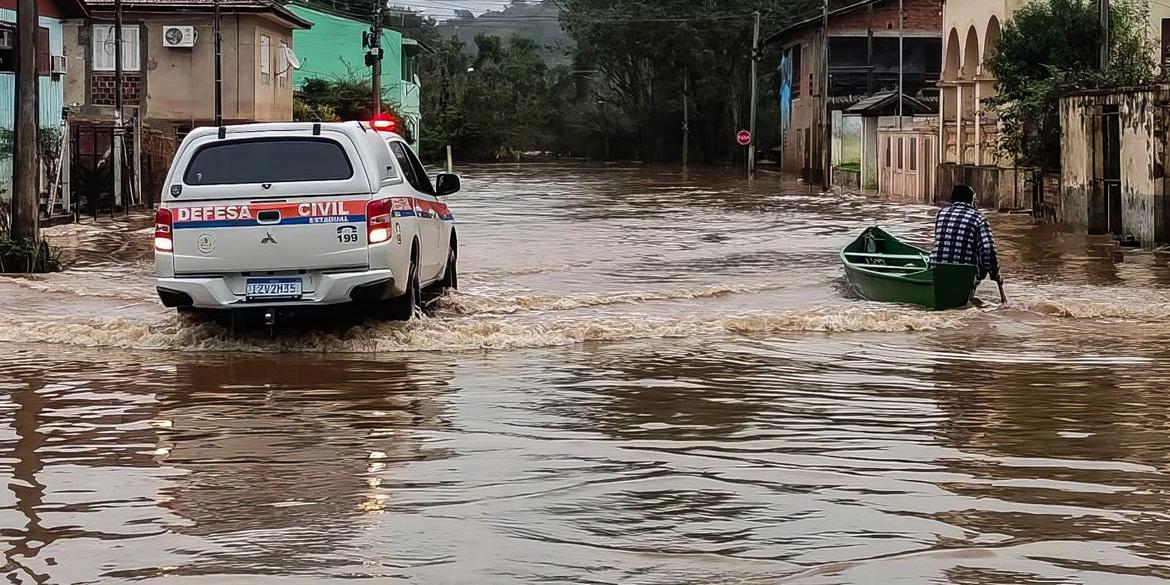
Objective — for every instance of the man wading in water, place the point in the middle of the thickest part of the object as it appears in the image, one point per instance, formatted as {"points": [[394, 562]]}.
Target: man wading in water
{"points": [[963, 236]]}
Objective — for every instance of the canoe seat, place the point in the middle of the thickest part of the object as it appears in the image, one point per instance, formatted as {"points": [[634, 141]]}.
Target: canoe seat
{"points": [[879, 268], [887, 256]]}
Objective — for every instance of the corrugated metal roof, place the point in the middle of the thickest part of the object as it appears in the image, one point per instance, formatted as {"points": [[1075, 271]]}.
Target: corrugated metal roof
{"points": [[252, 5], [882, 102]]}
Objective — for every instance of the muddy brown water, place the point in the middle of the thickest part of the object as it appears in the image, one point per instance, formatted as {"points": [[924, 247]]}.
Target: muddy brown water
{"points": [[649, 377]]}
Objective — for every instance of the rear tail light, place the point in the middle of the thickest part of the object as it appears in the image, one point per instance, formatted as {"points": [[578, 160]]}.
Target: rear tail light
{"points": [[163, 231], [378, 226]]}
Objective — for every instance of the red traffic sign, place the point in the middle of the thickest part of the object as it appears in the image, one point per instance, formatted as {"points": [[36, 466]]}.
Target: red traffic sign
{"points": [[744, 138]]}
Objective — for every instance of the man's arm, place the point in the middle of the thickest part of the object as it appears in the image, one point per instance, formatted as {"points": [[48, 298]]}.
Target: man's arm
{"points": [[935, 248], [987, 250]]}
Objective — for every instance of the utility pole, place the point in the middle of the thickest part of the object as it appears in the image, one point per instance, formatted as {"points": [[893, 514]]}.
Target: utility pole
{"points": [[686, 120], [1105, 34], [376, 49], [869, 52], [901, 62], [25, 199], [218, 69], [119, 138], [826, 136], [751, 158]]}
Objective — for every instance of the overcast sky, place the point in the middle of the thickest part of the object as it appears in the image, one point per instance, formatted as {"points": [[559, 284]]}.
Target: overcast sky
{"points": [[442, 9]]}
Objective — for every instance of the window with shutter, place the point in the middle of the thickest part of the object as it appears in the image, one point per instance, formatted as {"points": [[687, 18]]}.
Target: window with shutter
{"points": [[797, 75], [7, 45], [1165, 46], [283, 64], [265, 59], [103, 48], [43, 60]]}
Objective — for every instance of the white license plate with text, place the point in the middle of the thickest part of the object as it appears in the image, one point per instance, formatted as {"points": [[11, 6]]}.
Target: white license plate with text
{"points": [[266, 288]]}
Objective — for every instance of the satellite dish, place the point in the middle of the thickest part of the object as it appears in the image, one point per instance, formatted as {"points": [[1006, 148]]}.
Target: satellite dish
{"points": [[293, 62]]}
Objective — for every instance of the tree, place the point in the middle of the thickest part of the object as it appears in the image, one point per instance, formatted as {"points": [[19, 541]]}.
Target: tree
{"points": [[1050, 47], [504, 101], [642, 49], [343, 98], [622, 97]]}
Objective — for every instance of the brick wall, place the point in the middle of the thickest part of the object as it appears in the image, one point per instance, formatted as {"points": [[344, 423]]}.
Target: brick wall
{"points": [[102, 92], [923, 15], [159, 143]]}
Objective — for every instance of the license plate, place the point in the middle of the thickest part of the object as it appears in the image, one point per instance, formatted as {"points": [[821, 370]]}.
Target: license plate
{"points": [[266, 288]]}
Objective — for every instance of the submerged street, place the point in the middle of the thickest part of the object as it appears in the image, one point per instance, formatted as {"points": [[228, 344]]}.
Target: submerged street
{"points": [[647, 377]]}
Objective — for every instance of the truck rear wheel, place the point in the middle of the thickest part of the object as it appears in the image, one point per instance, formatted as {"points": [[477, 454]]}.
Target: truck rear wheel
{"points": [[451, 276], [404, 307]]}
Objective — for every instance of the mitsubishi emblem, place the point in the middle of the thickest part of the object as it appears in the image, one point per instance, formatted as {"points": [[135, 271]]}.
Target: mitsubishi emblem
{"points": [[268, 239]]}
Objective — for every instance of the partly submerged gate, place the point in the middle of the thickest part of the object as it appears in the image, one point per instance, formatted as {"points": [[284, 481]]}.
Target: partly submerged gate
{"points": [[92, 169]]}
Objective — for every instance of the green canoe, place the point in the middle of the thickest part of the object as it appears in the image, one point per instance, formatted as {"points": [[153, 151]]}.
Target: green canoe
{"points": [[881, 268]]}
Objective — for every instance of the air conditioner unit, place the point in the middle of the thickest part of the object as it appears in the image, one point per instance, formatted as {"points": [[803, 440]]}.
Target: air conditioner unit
{"points": [[59, 65], [178, 36], [6, 39]]}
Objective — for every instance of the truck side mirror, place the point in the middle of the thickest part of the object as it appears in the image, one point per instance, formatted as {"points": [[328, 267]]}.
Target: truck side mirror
{"points": [[446, 184]]}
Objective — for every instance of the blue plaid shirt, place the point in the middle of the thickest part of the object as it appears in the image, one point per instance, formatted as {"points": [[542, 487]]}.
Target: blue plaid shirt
{"points": [[963, 236]]}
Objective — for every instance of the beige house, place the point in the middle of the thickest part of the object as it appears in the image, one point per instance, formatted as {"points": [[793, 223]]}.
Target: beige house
{"points": [[971, 30], [968, 129], [168, 60], [168, 85]]}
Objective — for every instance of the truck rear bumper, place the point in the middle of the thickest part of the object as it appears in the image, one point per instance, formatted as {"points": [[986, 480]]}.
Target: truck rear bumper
{"points": [[330, 289]]}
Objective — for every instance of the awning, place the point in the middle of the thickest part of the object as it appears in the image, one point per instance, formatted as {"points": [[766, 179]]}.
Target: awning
{"points": [[886, 104]]}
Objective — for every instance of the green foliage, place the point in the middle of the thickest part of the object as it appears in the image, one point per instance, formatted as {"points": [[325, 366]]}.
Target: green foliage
{"points": [[343, 98], [622, 98], [48, 143], [509, 101], [27, 256], [1051, 47], [642, 50], [305, 112]]}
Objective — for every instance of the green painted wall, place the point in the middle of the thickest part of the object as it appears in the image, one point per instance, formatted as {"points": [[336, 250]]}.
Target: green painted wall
{"points": [[333, 48]]}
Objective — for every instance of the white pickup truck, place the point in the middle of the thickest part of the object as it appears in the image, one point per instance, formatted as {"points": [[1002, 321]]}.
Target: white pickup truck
{"points": [[286, 215]]}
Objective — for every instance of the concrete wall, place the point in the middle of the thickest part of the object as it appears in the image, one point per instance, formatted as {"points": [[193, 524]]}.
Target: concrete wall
{"points": [[869, 154], [846, 179], [333, 49], [273, 100], [1158, 11], [999, 188], [1078, 137], [1141, 187], [1143, 127]]}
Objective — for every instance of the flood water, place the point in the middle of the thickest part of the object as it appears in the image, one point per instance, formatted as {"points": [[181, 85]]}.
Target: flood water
{"points": [[649, 377]]}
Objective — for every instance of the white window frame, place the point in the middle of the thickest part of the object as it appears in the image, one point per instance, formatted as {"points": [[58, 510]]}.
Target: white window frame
{"points": [[265, 58], [282, 63], [102, 42]]}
